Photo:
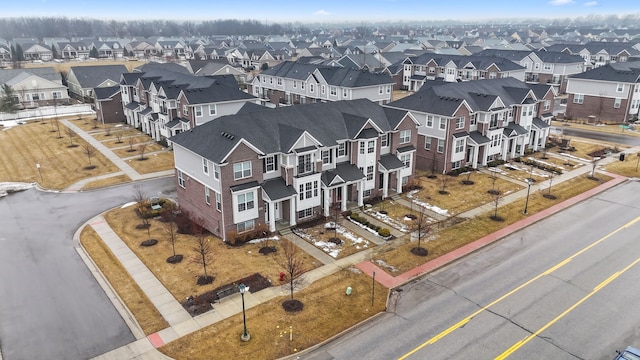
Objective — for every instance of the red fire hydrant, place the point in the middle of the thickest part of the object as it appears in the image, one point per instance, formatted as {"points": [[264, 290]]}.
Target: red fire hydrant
{"points": [[281, 276]]}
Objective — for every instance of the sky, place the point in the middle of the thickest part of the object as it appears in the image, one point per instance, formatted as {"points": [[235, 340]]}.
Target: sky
{"points": [[319, 10]]}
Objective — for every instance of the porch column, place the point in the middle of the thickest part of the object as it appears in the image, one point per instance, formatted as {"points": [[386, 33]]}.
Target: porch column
{"points": [[292, 212], [385, 185], [398, 182], [474, 157], [513, 147], [361, 193], [326, 201], [272, 216], [343, 201]]}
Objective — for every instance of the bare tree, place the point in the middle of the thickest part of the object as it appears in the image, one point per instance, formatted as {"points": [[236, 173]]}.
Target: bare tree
{"points": [[494, 178], [119, 134], [550, 178], [421, 226], [71, 134], [444, 180], [497, 196], [335, 215], [89, 151], [293, 266], [131, 141], [142, 147], [95, 123], [203, 252], [141, 199], [171, 233], [108, 130], [56, 123]]}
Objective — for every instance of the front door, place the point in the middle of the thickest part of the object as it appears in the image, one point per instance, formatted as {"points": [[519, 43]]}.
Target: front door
{"points": [[278, 211]]}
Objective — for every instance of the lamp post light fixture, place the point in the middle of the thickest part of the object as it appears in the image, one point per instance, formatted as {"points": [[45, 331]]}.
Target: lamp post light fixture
{"points": [[526, 203], [245, 335]]}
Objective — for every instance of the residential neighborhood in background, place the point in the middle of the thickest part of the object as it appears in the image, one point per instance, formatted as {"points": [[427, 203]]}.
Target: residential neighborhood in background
{"points": [[277, 129]]}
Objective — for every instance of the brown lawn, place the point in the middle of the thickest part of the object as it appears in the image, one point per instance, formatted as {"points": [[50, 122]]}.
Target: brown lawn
{"points": [[275, 333], [152, 162], [398, 260], [114, 180], [460, 197], [229, 263], [611, 129], [133, 297], [630, 167], [24, 146], [65, 66]]}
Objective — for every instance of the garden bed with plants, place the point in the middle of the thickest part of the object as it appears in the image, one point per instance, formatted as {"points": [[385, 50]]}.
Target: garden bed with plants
{"points": [[374, 229], [336, 241]]}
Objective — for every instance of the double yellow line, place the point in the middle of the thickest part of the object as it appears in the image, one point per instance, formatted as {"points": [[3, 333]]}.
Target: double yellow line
{"points": [[562, 263]]}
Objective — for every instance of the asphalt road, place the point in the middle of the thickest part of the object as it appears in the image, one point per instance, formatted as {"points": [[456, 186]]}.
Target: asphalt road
{"points": [[564, 288], [601, 136], [51, 307]]}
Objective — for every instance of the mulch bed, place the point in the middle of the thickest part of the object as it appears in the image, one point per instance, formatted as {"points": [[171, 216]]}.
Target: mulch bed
{"points": [[200, 304]]}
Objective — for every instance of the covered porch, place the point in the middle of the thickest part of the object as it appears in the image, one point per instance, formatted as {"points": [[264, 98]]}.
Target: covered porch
{"points": [[338, 186], [387, 166], [279, 203], [513, 141]]}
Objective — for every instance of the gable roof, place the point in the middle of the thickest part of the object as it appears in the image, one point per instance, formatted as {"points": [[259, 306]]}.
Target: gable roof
{"points": [[104, 93], [337, 76], [93, 76], [628, 72], [276, 130]]}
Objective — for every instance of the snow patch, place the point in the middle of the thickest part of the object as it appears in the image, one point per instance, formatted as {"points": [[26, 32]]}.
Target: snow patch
{"points": [[257, 241], [426, 205], [128, 204], [11, 187]]}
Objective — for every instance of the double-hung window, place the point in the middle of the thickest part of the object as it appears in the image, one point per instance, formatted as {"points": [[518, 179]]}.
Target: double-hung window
{"points": [[405, 136], [245, 201], [242, 170]]}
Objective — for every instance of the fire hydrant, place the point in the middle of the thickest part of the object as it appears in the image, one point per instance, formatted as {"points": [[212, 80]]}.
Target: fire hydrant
{"points": [[281, 276]]}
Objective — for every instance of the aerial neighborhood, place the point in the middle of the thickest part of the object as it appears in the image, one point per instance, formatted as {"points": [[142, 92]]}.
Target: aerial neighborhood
{"points": [[470, 96], [313, 154]]}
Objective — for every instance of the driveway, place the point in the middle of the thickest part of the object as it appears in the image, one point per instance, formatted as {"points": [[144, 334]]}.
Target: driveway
{"points": [[51, 307]]}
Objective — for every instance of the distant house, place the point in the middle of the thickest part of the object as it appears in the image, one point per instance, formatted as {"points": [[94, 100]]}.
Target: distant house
{"points": [[37, 52], [36, 86], [608, 93], [452, 68], [291, 83], [82, 80], [217, 67], [165, 99], [108, 105], [5, 53]]}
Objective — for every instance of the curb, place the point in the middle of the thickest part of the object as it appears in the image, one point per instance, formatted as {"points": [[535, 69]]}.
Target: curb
{"points": [[117, 302]]}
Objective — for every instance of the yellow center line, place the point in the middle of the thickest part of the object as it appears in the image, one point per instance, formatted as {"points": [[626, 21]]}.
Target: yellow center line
{"points": [[555, 267], [595, 290]]}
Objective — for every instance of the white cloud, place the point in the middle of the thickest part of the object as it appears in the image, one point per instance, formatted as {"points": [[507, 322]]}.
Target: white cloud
{"points": [[591, 3], [561, 2], [322, 13]]}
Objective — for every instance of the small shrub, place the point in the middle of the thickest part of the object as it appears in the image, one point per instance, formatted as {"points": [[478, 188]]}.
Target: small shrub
{"points": [[384, 232]]}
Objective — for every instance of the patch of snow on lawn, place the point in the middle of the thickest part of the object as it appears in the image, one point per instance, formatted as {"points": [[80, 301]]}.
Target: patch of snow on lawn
{"points": [[426, 205], [575, 157], [8, 124], [383, 264], [128, 204], [353, 238], [10, 187], [388, 220], [257, 241]]}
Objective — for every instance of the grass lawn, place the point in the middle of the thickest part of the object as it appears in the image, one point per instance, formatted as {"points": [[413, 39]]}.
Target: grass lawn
{"points": [[585, 147], [152, 162], [398, 260], [24, 146], [128, 135], [460, 197], [134, 298], [229, 263], [327, 311], [114, 180], [629, 167]]}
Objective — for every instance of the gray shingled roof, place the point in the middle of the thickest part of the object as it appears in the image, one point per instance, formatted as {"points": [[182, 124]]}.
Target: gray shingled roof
{"points": [[555, 57], [628, 72], [445, 98], [276, 130], [106, 92], [277, 189], [479, 62], [93, 76], [390, 162], [344, 77], [47, 73], [346, 171]]}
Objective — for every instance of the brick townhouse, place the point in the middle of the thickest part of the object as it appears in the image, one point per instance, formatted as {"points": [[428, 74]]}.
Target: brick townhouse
{"points": [[609, 93], [291, 164], [471, 123], [453, 68], [292, 83], [165, 99]]}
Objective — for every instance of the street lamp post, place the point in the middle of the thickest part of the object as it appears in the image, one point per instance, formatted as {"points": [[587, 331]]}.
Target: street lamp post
{"points": [[245, 335], [526, 203]]}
